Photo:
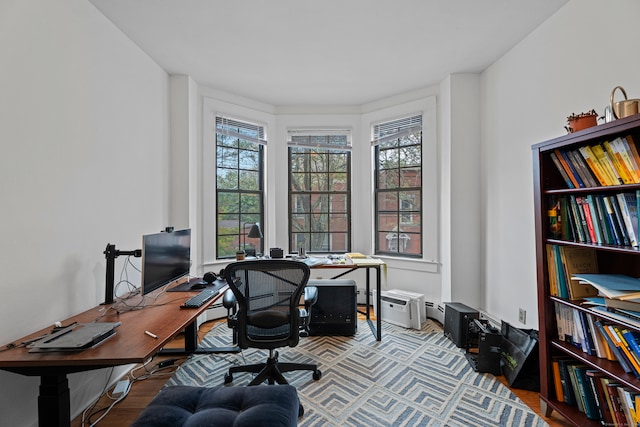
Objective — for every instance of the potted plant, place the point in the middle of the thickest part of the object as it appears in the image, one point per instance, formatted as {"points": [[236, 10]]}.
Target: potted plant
{"points": [[581, 121]]}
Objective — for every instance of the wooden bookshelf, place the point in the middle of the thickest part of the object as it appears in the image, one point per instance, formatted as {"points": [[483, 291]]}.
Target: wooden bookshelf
{"points": [[612, 258]]}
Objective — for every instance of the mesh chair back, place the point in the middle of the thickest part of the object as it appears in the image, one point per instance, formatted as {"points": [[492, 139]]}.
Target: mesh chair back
{"points": [[268, 293]]}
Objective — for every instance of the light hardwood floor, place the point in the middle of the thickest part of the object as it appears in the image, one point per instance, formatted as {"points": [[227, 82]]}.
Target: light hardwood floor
{"points": [[143, 391]]}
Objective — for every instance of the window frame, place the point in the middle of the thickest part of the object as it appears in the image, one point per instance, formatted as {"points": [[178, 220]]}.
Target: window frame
{"points": [[390, 136], [244, 218], [297, 145]]}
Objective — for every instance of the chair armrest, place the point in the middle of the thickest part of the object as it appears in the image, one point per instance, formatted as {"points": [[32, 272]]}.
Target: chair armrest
{"points": [[229, 300], [310, 296]]}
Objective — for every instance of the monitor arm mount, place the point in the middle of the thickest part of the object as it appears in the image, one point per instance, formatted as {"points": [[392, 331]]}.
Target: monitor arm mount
{"points": [[111, 253]]}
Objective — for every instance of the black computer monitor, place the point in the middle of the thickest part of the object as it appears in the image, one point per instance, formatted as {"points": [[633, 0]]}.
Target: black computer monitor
{"points": [[166, 257]]}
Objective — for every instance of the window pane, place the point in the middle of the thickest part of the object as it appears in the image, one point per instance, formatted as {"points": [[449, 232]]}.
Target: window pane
{"points": [[411, 156], [338, 162], [297, 162], [227, 179], [339, 242], [388, 179], [226, 157], [250, 203], [319, 203], [410, 201], [300, 223], [338, 181], [319, 222], [300, 203], [249, 180], [388, 201], [319, 182], [410, 177], [319, 242], [338, 203], [250, 160], [339, 222], [298, 182], [388, 222], [228, 202]]}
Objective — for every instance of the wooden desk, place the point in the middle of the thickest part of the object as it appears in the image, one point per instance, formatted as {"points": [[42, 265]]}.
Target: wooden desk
{"points": [[349, 266], [162, 316]]}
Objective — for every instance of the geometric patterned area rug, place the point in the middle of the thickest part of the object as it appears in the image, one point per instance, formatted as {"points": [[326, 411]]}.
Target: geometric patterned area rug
{"points": [[410, 378]]}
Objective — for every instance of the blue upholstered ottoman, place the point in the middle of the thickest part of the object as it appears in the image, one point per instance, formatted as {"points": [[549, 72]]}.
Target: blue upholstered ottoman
{"points": [[262, 405]]}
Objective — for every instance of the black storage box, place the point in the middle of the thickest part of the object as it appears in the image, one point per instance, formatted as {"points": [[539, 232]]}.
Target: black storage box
{"points": [[335, 311], [483, 347], [456, 322]]}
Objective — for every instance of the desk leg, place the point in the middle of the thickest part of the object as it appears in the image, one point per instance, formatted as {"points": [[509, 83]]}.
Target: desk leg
{"points": [[54, 406], [191, 344], [377, 330]]}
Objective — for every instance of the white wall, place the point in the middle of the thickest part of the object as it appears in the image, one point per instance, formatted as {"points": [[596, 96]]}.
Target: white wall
{"points": [[570, 64], [84, 134]]}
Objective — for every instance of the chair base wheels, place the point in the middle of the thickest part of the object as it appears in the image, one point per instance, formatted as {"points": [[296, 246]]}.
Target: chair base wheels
{"points": [[317, 374]]}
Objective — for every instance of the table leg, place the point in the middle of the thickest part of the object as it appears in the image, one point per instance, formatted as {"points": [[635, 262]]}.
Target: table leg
{"points": [[54, 405], [377, 330]]}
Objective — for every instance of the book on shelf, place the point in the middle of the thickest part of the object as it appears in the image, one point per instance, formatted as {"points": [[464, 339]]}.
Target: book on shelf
{"points": [[557, 380], [563, 172], [567, 389], [579, 260], [634, 157], [627, 403], [618, 286], [595, 379], [582, 169], [612, 220], [572, 167], [571, 174], [616, 403], [611, 176], [628, 208], [573, 380], [605, 226], [618, 163], [586, 393], [593, 163], [620, 220], [626, 153], [632, 304], [588, 217], [616, 335], [612, 346]]}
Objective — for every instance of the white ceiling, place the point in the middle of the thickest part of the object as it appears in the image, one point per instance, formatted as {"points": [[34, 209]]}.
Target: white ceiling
{"points": [[325, 53]]}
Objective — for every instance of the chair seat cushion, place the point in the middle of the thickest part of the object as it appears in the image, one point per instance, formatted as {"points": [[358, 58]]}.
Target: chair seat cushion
{"points": [[187, 406]]}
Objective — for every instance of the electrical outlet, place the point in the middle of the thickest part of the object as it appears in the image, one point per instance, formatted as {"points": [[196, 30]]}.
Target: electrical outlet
{"points": [[522, 315]]}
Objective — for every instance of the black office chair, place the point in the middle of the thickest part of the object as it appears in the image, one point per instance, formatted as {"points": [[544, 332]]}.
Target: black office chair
{"points": [[268, 295]]}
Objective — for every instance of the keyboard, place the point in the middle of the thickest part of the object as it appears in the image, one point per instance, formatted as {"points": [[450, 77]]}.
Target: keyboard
{"points": [[202, 297]]}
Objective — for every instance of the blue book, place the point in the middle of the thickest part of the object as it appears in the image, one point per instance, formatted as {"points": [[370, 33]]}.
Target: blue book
{"points": [[617, 286], [631, 337], [574, 172]]}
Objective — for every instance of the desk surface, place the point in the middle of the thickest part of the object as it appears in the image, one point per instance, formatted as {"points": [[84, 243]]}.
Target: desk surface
{"points": [[162, 316]]}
